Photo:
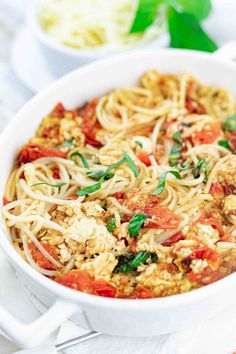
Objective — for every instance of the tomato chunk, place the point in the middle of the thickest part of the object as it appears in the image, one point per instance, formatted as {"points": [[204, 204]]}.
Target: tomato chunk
{"points": [[103, 288], [216, 188], [144, 157], [5, 201], [76, 279], [59, 110], [206, 277], [142, 292], [173, 239], [210, 255], [55, 172], [39, 258], [162, 218], [211, 218], [31, 152], [90, 124], [208, 134]]}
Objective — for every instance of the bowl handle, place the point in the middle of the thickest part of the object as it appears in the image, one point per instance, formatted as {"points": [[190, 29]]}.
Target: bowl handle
{"points": [[31, 334], [227, 51]]}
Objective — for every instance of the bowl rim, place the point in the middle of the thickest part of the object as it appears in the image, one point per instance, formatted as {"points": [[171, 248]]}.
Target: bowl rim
{"points": [[95, 53], [76, 296]]}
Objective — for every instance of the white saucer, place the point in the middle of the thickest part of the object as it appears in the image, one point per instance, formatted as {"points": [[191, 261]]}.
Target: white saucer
{"points": [[28, 62]]}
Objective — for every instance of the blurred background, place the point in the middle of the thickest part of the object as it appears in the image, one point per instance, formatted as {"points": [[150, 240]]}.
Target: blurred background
{"points": [[35, 52]]}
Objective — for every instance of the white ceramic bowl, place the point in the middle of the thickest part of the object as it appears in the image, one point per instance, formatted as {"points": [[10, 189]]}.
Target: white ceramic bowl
{"points": [[61, 59], [113, 316]]}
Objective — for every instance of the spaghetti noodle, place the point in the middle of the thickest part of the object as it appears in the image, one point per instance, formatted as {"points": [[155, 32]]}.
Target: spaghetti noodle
{"points": [[133, 194]]}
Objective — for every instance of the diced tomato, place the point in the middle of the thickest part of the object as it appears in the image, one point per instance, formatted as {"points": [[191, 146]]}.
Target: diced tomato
{"points": [[210, 255], [144, 157], [31, 152], [216, 189], [206, 277], [5, 201], [229, 189], [39, 258], [141, 292], [173, 239], [59, 110], [208, 134], [211, 218], [162, 218], [76, 279], [140, 201], [103, 288], [55, 172], [194, 106], [118, 195], [90, 124]]}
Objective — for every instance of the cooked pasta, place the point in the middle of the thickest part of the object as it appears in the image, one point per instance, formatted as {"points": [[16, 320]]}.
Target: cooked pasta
{"points": [[133, 194]]}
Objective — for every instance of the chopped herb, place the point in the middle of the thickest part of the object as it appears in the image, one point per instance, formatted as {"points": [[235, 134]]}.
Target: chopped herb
{"points": [[81, 156], [68, 143], [131, 164], [162, 181], [175, 154], [111, 223], [139, 144], [135, 224], [201, 165], [88, 190], [129, 262], [58, 185], [184, 165], [177, 137], [230, 123], [99, 174], [225, 144]]}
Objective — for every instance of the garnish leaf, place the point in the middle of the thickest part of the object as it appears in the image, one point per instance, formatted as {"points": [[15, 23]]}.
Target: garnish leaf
{"points": [[230, 123], [99, 174], [111, 223], [135, 224], [131, 164], [145, 15], [184, 165], [58, 185], [139, 144], [186, 32], [175, 154], [129, 262], [88, 190], [201, 165], [177, 137], [162, 181], [225, 144], [82, 158], [198, 8]]}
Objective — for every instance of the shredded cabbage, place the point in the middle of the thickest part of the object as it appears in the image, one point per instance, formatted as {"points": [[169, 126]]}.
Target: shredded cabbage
{"points": [[89, 24]]}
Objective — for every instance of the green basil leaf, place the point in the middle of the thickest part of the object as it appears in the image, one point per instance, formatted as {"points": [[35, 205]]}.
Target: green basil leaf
{"points": [[99, 174], [177, 137], [82, 158], [162, 181], [186, 32], [198, 8], [201, 165], [139, 144], [69, 143], [111, 223], [146, 14], [129, 262], [58, 185], [131, 164], [225, 144], [175, 154], [230, 123], [88, 190], [135, 224]]}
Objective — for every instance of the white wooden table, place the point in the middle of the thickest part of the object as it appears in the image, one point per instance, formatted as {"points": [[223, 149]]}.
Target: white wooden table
{"points": [[13, 95]]}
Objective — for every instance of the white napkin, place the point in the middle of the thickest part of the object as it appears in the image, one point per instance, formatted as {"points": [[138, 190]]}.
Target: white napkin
{"points": [[217, 335]]}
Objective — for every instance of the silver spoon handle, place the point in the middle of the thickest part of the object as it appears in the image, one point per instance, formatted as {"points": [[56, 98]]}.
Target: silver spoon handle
{"points": [[77, 340]]}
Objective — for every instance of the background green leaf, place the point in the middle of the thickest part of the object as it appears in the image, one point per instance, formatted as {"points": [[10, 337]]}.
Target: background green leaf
{"points": [[186, 32], [200, 9], [145, 15]]}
